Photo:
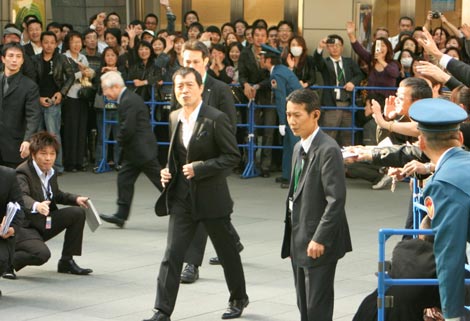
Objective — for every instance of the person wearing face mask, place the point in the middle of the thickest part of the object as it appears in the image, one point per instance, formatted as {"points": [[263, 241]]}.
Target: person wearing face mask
{"points": [[405, 58], [300, 63]]}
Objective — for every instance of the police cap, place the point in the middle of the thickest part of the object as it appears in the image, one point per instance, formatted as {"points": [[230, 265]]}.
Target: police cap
{"points": [[437, 115], [269, 52]]}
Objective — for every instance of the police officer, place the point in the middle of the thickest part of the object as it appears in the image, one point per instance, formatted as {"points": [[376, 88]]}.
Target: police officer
{"points": [[283, 82], [446, 196]]}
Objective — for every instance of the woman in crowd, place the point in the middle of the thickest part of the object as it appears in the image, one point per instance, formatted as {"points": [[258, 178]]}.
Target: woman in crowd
{"points": [[189, 18], [226, 29], [409, 44], [300, 62], [143, 73], [405, 58], [230, 38], [109, 62], [218, 64], [440, 36], [74, 109], [383, 70]]}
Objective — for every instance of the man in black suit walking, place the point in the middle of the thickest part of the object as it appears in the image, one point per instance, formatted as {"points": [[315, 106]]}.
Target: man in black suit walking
{"points": [[137, 141], [218, 95], [203, 149], [316, 231], [20, 115]]}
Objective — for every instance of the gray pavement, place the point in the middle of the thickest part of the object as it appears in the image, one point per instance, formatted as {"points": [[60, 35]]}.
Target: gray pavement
{"points": [[126, 261]]}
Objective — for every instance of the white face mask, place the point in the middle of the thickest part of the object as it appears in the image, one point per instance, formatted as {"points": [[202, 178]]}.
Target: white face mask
{"points": [[207, 43], [406, 62], [296, 51]]}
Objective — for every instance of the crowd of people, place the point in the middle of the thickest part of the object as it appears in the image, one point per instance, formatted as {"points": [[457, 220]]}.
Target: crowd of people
{"points": [[58, 85]]}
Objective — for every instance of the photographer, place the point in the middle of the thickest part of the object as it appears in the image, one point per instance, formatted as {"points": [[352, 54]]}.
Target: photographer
{"points": [[441, 33]]}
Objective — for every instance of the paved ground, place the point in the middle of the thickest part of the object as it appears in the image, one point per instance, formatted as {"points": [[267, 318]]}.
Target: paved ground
{"points": [[125, 262]]}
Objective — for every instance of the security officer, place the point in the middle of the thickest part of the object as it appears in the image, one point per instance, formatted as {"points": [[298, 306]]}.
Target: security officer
{"points": [[283, 82], [446, 196]]}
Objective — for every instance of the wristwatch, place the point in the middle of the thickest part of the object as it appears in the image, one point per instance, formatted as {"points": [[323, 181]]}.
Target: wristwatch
{"points": [[427, 167]]}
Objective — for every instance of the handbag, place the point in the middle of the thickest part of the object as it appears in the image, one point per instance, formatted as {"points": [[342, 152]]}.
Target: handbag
{"points": [[86, 91]]}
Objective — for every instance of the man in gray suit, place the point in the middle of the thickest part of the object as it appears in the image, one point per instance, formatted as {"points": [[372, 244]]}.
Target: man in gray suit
{"points": [[316, 231]]}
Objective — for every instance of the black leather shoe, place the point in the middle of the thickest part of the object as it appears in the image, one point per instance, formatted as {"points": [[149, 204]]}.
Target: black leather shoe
{"points": [[281, 179], [159, 316], [113, 219], [285, 185], [235, 309], [215, 260], [190, 274], [265, 174], [69, 266], [9, 274]]}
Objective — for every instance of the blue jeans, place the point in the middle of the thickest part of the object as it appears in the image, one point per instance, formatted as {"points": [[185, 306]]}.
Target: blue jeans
{"points": [[111, 114], [51, 123]]}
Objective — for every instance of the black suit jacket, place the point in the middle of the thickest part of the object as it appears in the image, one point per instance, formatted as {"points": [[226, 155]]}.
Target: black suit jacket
{"points": [[250, 72], [318, 206], [31, 186], [459, 70], [352, 73], [10, 192], [20, 115], [213, 151], [135, 132], [218, 95]]}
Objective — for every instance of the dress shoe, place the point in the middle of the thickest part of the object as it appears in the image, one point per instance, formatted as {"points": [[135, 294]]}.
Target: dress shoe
{"points": [[159, 316], [215, 260], [235, 308], [113, 219], [9, 274], [265, 174], [69, 266], [285, 185], [190, 274], [281, 179]]}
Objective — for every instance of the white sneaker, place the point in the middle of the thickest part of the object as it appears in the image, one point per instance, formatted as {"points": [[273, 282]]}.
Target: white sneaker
{"points": [[384, 182]]}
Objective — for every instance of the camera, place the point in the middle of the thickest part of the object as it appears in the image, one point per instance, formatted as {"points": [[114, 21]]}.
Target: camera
{"points": [[50, 101], [436, 14], [330, 41]]}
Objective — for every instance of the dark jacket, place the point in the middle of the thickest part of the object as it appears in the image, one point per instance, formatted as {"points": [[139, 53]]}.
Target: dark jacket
{"points": [[135, 133], [213, 151], [20, 115], [10, 192], [63, 74]]}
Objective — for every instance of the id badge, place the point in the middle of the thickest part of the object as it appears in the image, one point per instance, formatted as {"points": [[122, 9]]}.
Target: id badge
{"points": [[48, 222]]}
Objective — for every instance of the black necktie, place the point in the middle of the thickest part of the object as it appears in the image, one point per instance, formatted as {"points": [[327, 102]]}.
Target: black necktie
{"points": [[5, 84], [299, 166]]}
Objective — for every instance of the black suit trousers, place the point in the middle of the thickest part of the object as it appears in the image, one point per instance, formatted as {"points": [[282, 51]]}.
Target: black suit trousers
{"points": [[7, 248], [35, 252], [181, 231], [195, 253], [315, 291], [126, 180]]}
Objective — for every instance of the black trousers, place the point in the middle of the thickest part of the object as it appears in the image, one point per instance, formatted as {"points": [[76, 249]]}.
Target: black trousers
{"points": [[126, 180], [75, 118], [315, 291], [7, 248], [33, 251], [195, 253], [181, 231]]}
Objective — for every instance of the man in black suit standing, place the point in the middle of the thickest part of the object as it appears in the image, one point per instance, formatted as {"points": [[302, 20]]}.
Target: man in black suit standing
{"points": [[20, 115], [337, 70], [203, 149], [216, 94], [316, 233], [137, 141], [9, 192]]}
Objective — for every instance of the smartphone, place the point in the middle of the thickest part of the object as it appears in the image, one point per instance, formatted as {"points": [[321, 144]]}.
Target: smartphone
{"points": [[378, 46]]}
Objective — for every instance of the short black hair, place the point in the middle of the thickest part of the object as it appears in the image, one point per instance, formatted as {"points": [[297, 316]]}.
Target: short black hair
{"points": [[54, 24], [188, 13], [197, 25], [30, 17], [285, 22], [184, 71], [113, 13], [88, 31], [151, 15], [407, 18], [306, 97], [335, 36], [30, 22], [48, 33], [12, 45], [241, 21], [419, 88], [137, 22], [68, 25]]}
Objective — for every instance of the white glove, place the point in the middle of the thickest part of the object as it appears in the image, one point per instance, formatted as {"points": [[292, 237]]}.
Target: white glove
{"points": [[282, 130]]}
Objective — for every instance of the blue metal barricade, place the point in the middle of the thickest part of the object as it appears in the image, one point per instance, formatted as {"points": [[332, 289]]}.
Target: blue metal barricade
{"points": [[385, 281], [251, 146]]}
